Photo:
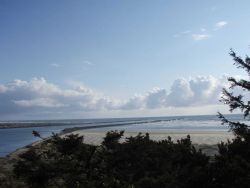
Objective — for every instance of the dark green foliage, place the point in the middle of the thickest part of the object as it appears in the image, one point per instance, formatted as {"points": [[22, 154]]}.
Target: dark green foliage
{"points": [[36, 134], [112, 139], [232, 166], [58, 162], [68, 162]]}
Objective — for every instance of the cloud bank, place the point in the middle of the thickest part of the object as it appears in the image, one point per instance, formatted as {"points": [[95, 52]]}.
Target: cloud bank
{"points": [[38, 96]]}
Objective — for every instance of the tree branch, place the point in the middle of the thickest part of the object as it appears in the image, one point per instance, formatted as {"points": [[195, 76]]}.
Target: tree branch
{"points": [[242, 83], [235, 102], [238, 128], [240, 62]]}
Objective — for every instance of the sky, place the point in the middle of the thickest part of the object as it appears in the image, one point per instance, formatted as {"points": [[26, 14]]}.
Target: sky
{"points": [[118, 58]]}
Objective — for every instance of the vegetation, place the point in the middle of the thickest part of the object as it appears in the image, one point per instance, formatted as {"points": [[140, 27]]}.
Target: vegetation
{"points": [[232, 166], [137, 162], [140, 162]]}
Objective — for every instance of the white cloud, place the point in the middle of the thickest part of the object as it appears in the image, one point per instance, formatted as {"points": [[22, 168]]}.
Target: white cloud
{"points": [[220, 25], [38, 96], [198, 91], [201, 90], [156, 98], [135, 102], [198, 37], [39, 102], [180, 93]]}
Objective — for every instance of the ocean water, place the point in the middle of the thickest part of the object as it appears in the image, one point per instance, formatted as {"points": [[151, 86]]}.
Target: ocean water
{"points": [[14, 138]]}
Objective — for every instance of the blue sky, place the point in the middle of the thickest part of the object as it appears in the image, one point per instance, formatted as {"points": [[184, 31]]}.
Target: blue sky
{"points": [[118, 51]]}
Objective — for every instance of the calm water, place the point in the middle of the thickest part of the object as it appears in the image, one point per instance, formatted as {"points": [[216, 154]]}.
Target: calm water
{"points": [[11, 139]]}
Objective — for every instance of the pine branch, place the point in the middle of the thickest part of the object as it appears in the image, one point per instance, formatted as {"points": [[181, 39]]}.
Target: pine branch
{"points": [[240, 62], [237, 128], [235, 102], [242, 83], [247, 60]]}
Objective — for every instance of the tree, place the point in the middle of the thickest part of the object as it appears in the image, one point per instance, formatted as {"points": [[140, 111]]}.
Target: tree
{"points": [[37, 134], [235, 102], [232, 166]]}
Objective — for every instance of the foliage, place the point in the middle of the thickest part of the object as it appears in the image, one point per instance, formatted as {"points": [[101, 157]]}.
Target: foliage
{"points": [[232, 165], [68, 162]]}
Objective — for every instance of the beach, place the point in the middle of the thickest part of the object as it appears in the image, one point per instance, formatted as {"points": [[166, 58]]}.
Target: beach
{"points": [[205, 140], [197, 137]]}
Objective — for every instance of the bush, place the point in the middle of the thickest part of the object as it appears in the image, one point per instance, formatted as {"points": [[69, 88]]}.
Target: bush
{"points": [[68, 162]]}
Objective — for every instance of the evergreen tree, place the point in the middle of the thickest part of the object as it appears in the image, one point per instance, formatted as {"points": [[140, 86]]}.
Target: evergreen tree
{"points": [[235, 102], [232, 166]]}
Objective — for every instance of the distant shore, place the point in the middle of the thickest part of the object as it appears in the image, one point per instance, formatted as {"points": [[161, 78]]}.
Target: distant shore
{"points": [[82, 125], [28, 125]]}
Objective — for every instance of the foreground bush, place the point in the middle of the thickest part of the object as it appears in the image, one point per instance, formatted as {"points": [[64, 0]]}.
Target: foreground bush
{"points": [[137, 162]]}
